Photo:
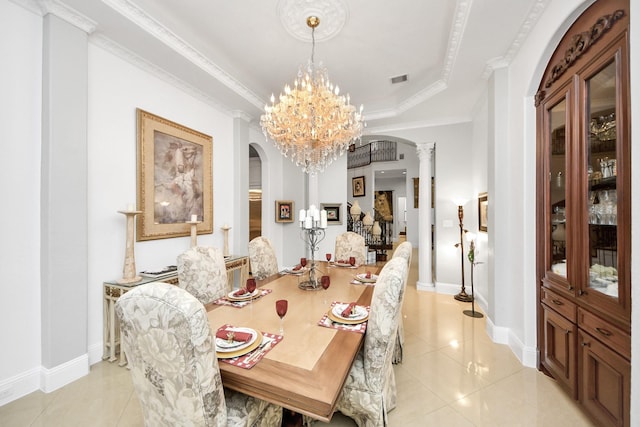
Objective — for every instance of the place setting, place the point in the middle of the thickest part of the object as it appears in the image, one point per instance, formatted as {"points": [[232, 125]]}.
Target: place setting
{"points": [[296, 270], [243, 347], [367, 278], [244, 296], [345, 263], [346, 316]]}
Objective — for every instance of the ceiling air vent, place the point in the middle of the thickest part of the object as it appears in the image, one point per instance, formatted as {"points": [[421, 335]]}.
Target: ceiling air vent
{"points": [[399, 79]]}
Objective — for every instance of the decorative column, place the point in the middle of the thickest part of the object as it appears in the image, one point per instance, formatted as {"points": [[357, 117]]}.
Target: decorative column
{"points": [[129, 269], [426, 152]]}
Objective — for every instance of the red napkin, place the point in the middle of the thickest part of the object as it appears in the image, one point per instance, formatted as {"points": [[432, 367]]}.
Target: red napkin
{"points": [[368, 275], [240, 292], [297, 267], [223, 333], [347, 311]]}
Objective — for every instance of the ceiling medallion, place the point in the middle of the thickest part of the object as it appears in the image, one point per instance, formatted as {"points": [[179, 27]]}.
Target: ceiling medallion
{"points": [[332, 13]]}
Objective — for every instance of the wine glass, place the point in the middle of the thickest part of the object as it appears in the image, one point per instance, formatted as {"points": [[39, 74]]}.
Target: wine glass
{"points": [[281, 309], [325, 282], [352, 260], [328, 257], [303, 261]]}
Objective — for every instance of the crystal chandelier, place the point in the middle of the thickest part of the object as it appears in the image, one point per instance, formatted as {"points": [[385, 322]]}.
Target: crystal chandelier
{"points": [[312, 123]]}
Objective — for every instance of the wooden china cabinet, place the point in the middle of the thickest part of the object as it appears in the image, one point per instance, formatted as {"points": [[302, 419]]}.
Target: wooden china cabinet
{"points": [[584, 213]]}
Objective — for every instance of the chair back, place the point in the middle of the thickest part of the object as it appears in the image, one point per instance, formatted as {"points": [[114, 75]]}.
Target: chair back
{"points": [[350, 244], [203, 273], [404, 251], [171, 355], [262, 257], [379, 340]]}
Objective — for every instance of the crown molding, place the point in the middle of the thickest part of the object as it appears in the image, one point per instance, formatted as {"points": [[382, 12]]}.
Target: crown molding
{"points": [[460, 17], [525, 29], [139, 17], [135, 60], [397, 127], [61, 10]]}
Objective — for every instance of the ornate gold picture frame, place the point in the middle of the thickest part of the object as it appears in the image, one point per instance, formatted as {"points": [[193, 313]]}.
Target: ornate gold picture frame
{"points": [[175, 178], [483, 205]]}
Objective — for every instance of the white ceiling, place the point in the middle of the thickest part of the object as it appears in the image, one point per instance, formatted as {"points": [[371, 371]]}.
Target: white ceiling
{"points": [[236, 53]]}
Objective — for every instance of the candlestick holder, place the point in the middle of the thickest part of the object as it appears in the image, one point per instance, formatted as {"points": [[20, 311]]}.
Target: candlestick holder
{"points": [[312, 236], [194, 232], [226, 229], [462, 295], [472, 260], [129, 269]]}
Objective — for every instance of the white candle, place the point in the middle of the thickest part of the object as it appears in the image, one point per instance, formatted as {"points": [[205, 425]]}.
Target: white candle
{"points": [[308, 222], [303, 214], [323, 218], [194, 218], [130, 207]]}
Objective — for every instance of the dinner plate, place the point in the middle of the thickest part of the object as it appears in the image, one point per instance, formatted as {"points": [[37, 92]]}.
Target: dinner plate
{"points": [[244, 297], [362, 277], [361, 315], [342, 264], [290, 270], [238, 350]]}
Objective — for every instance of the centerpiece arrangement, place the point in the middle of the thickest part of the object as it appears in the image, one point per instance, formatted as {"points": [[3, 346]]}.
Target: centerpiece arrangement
{"points": [[313, 223]]}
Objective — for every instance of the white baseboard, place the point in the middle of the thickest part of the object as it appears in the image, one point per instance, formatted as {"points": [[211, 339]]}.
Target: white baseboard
{"points": [[95, 353], [61, 375], [447, 288], [44, 379], [528, 356]]}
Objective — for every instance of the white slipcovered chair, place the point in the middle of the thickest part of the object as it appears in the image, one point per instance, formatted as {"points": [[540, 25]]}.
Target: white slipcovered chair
{"points": [[369, 392], [170, 348], [202, 273], [350, 244], [404, 251], [262, 257]]}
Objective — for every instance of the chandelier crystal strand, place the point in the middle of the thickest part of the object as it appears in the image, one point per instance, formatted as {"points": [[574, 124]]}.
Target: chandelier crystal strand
{"points": [[311, 122]]}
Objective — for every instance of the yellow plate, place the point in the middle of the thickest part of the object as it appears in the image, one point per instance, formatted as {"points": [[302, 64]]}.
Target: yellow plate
{"points": [[232, 354], [346, 321]]}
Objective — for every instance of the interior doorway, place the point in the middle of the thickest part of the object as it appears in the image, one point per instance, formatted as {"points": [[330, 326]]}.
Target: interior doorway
{"points": [[255, 194]]}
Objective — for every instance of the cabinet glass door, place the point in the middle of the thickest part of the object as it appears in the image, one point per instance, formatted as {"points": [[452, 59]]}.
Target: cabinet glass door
{"points": [[557, 189], [602, 205]]}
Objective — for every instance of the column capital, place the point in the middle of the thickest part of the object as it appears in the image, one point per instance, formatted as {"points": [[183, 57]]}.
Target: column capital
{"points": [[426, 150]]}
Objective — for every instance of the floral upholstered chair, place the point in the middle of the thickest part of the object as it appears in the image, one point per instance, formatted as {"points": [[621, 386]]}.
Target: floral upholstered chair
{"points": [[170, 348], [262, 258], [369, 392], [350, 244], [404, 251], [202, 273]]}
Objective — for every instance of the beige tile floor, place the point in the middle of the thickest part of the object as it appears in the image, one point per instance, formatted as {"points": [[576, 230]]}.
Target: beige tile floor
{"points": [[452, 375]]}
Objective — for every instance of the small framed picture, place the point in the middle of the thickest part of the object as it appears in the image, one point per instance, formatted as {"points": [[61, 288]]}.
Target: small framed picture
{"points": [[334, 214], [357, 184], [483, 205], [284, 211]]}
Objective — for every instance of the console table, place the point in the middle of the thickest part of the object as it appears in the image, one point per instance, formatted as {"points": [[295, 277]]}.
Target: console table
{"points": [[114, 290]]}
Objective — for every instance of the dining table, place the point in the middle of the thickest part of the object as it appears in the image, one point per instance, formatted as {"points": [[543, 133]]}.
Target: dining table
{"points": [[306, 370]]}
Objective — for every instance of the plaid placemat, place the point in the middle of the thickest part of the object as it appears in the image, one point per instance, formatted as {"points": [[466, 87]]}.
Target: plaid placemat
{"points": [[248, 361], [240, 304], [361, 328]]}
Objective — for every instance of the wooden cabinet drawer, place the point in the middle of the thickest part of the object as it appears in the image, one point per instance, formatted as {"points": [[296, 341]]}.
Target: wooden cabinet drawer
{"points": [[605, 332], [560, 304]]}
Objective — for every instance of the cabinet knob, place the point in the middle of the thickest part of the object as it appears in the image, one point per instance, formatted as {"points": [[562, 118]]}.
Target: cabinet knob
{"points": [[581, 292], [604, 332], [586, 344], [570, 287]]}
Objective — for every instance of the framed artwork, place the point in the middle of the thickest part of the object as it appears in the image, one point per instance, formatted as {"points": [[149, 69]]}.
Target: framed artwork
{"points": [[284, 211], [416, 193], [483, 205], [175, 178], [334, 215], [357, 185]]}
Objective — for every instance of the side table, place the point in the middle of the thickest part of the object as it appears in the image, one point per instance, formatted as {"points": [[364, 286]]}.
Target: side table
{"points": [[112, 290]]}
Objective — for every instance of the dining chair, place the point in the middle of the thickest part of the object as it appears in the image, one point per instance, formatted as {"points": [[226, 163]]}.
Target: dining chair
{"points": [[202, 273], [171, 354], [350, 244], [369, 392], [262, 258], [404, 251]]}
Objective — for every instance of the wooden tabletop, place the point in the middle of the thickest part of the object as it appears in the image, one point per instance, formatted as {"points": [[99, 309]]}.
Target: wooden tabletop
{"points": [[305, 372]]}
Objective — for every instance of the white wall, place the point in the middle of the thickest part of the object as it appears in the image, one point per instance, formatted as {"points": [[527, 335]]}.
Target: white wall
{"points": [[20, 112]]}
